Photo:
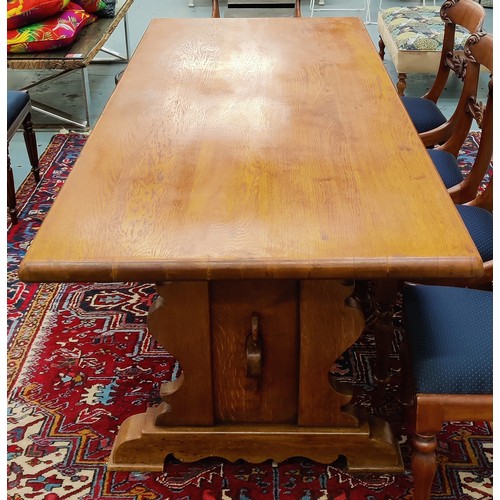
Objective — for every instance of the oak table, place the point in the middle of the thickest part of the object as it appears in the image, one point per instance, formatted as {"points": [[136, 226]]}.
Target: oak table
{"points": [[256, 181]]}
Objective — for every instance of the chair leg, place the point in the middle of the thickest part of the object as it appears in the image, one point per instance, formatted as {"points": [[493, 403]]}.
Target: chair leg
{"points": [[11, 191], [423, 464], [30, 141], [401, 83]]}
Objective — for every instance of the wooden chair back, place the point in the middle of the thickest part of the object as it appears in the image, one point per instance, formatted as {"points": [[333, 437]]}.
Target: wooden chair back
{"points": [[469, 15], [478, 50], [466, 13]]}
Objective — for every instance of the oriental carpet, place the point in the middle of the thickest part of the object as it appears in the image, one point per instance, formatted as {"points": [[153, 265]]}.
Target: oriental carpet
{"points": [[80, 360]]}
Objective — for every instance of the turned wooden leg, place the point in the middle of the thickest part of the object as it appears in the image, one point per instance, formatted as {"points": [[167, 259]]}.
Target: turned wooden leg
{"points": [[11, 191], [423, 463], [381, 48], [30, 141], [401, 83]]}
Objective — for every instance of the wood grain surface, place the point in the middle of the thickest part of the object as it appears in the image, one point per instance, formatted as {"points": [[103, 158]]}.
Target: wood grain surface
{"points": [[252, 148], [271, 397]]}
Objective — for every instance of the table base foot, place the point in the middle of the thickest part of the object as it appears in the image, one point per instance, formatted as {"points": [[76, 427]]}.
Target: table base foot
{"points": [[142, 446]]}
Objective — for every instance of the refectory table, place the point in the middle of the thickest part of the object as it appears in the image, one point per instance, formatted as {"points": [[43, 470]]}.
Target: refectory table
{"points": [[257, 170]]}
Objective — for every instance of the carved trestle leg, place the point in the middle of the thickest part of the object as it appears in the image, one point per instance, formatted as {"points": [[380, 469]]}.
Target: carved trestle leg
{"points": [[331, 320], [197, 421], [330, 323], [179, 320]]}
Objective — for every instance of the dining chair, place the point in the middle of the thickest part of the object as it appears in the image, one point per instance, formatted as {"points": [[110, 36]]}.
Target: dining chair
{"points": [[19, 114], [478, 51], [258, 8], [432, 125], [450, 357], [473, 195], [477, 216]]}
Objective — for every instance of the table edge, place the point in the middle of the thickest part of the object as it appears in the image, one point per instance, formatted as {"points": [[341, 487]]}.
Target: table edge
{"points": [[157, 271]]}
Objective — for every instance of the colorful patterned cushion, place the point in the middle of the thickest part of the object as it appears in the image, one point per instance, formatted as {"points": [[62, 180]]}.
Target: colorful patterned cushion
{"points": [[100, 8], [109, 9], [23, 12], [91, 5], [55, 32], [419, 28]]}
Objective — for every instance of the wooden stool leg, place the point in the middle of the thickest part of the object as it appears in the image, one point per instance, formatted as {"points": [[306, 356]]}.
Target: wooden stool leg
{"points": [[30, 141], [423, 463], [11, 191], [381, 47], [401, 83]]}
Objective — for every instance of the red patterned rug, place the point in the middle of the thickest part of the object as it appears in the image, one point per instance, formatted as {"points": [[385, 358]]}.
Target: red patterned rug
{"points": [[80, 360]]}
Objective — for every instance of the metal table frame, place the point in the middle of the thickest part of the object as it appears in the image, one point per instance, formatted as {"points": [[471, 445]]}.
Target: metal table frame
{"points": [[76, 57]]}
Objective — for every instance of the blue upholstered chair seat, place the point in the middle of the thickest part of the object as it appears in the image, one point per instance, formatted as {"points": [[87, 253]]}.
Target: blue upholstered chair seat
{"points": [[479, 222], [447, 166], [450, 334], [424, 113], [16, 101]]}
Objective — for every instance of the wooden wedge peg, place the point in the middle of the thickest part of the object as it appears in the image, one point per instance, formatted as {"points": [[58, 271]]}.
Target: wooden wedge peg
{"points": [[254, 350]]}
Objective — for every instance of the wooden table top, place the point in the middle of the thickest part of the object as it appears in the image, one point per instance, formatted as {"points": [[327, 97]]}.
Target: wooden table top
{"points": [[252, 148]]}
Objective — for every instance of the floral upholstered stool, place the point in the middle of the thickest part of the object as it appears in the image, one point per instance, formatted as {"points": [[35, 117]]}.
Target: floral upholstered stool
{"points": [[413, 37]]}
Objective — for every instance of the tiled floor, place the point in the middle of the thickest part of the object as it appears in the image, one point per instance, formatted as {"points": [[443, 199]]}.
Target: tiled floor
{"points": [[66, 92]]}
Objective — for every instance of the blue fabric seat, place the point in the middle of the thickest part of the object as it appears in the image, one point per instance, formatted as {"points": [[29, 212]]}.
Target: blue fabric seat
{"points": [[479, 223], [450, 335], [447, 166], [16, 102], [424, 113]]}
